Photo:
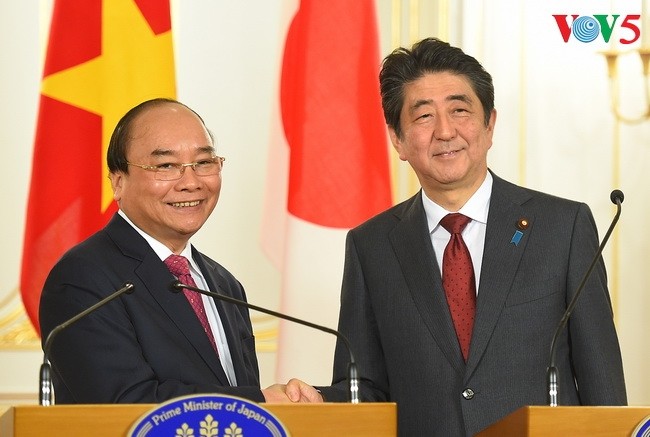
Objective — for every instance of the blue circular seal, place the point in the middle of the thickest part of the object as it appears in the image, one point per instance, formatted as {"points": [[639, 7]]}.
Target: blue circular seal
{"points": [[208, 416], [642, 429]]}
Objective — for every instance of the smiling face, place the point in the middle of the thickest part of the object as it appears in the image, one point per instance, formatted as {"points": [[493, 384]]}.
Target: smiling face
{"points": [[169, 211], [444, 137]]}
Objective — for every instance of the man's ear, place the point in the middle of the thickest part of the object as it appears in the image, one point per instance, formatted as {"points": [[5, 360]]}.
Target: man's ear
{"points": [[397, 143], [117, 181]]}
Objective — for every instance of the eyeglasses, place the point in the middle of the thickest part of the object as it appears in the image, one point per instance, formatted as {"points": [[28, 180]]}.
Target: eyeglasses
{"points": [[171, 171]]}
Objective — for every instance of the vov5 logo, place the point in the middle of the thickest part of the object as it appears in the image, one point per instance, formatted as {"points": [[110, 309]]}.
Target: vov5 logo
{"points": [[586, 28]]}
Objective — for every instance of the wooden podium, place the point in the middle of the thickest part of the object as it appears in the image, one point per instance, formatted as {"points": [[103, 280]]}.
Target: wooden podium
{"points": [[569, 421], [115, 420]]}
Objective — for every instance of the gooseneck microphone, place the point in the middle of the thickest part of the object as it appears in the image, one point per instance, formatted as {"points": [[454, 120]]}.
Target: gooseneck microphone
{"points": [[552, 373], [45, 384], [353, 377]]}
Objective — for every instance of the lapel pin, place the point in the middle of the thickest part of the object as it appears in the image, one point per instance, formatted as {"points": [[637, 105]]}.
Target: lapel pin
{"points": [[522, 224]]}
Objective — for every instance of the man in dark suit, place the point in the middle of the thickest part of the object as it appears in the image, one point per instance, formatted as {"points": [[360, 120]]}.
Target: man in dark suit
{"points": [[152, 345], [528, 251]]}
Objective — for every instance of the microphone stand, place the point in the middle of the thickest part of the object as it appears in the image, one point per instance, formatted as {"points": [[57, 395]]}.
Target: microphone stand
{"points": [[552, 379], [353, 377], [45, 379]]}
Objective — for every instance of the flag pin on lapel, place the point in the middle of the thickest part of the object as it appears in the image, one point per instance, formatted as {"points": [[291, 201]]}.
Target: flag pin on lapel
{"points": [[522, 225]]}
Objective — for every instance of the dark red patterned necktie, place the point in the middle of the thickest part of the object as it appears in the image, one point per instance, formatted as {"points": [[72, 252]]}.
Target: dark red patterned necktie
{"points": [[458, 280], [179, 266]]}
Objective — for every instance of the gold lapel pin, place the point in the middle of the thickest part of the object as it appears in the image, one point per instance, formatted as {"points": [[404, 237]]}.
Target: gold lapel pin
{"points": [[522, 224]]}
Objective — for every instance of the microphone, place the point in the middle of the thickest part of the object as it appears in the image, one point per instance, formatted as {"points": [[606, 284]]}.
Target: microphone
{"points": [[552, 373], [353, 377], [45, 387]]}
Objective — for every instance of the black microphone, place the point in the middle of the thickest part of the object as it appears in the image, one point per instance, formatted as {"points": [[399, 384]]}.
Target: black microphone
{"points": [[353, 377], [551, 373], [45, 387]]}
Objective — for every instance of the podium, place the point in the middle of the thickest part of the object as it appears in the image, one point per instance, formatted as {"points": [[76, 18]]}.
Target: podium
{"points": [[568, 421], [115, 420]]}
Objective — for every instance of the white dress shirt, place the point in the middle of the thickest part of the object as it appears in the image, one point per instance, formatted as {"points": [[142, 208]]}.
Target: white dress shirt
{"points": [[476, 208]]}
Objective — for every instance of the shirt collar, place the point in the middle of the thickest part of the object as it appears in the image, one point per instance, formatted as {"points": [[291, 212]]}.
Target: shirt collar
{"points": [[476, 207], [161, 250]]}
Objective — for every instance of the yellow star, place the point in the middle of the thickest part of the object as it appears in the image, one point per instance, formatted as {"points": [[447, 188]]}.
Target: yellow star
{"points": [[135, 65]]}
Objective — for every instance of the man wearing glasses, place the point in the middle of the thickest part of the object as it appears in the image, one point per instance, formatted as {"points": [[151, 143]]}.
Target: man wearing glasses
{"points": [[154, 345]]}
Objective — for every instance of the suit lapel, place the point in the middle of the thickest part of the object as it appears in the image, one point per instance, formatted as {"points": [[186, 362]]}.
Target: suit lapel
{"points": [[228, 316], [501, 257], [412, 245], [156, 278]]}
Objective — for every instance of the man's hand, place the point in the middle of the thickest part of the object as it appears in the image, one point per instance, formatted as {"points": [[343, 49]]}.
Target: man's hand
{"points": [[293, 391]]}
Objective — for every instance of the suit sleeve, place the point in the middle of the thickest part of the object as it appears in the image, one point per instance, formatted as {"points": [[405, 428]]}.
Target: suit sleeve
{"points": [[357, 323], [117, 354], [595, 352]]}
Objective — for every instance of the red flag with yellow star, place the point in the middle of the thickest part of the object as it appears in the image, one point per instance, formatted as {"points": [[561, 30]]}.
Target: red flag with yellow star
{"points": [[103, 57]]}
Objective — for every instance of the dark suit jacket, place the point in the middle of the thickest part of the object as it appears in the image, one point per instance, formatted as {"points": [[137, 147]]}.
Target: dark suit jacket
{"points": [[144, 347], [394, 312]]}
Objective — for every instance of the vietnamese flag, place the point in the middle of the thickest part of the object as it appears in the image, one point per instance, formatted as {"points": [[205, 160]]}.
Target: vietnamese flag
{"points": [[103, 57], [331, 160]]}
